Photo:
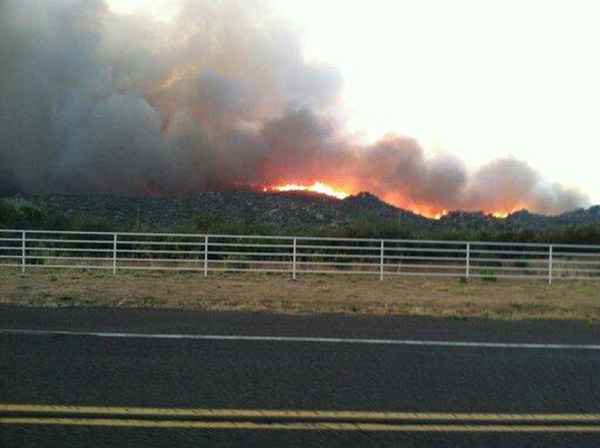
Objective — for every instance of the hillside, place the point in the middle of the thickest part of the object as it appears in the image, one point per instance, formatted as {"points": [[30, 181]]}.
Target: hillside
{"points": [[285, 212], [295, 210]]}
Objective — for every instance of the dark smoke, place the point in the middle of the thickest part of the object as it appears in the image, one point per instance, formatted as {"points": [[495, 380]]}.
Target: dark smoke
{"points": [[222, 98]]}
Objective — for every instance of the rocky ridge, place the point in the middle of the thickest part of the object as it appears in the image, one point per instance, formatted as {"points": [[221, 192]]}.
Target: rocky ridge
{"points": [[290, 210]]}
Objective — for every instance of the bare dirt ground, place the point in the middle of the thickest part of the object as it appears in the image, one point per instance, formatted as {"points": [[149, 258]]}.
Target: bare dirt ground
{"points": [[502, 299]]}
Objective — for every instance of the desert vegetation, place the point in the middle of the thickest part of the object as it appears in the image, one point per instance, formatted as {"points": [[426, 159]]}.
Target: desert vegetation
{"points": [[309, 294], [366, 217]]}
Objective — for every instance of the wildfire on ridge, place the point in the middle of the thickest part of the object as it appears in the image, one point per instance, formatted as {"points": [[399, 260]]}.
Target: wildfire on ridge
{"points": [[317, 187], [326, 189], [439, 215], [502, 214]]}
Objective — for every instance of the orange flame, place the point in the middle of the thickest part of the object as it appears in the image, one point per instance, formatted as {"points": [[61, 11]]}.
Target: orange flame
{"points": [[439, 215], [502, 214], [317, 187], [342, 193]]}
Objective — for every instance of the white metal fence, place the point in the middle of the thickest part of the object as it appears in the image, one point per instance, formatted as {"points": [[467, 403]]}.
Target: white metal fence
{"points": [[29, 249]]}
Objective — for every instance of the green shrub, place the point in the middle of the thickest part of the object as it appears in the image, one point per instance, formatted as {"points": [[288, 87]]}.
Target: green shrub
{"points": [[219, 225], [488, 275], [90, 224], [20, 214]]}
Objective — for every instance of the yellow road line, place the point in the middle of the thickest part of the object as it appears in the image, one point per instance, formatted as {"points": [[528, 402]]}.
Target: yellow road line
{"points": [[294, 414], [315, 426]]}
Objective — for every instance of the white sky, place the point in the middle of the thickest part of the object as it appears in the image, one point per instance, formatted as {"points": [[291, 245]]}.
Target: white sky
{"points": [[478, 78]]}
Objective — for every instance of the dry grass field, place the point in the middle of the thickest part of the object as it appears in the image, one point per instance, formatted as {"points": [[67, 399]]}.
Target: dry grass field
{"points": [[502, 299]]}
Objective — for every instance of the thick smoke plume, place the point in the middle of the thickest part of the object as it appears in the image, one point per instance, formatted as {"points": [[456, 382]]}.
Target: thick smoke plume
{"points": [[221, 98]]}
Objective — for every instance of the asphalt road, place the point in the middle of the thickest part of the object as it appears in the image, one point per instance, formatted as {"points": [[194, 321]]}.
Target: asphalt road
{"points": [[170, 378]]}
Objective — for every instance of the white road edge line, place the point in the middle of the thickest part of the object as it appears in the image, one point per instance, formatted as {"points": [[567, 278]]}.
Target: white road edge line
{"points": [[215, 337]]}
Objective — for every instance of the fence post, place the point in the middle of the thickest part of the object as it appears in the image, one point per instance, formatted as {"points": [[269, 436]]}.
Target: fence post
{"points": [[381, 261], [206, 255], [468, 262], [23, 251], [294, 261], [114, 254], [550, 265]]}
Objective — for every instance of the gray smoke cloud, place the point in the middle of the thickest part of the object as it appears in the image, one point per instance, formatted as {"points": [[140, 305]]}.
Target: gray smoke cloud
{"points": [[222, 98]]}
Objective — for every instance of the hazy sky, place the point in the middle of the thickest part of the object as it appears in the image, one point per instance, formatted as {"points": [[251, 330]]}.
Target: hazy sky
{"points": [[478, 78]]}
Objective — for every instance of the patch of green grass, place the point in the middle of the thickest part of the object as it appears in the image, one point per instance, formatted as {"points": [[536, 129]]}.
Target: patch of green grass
{"points": [[488, 275]]}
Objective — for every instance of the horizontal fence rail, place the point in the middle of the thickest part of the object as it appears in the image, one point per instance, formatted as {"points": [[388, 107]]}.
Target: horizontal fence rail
{"points": [[34, 249]]}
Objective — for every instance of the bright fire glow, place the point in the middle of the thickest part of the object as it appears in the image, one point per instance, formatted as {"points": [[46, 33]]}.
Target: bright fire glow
{"points": [[506, 213], [317, 187], [428, 212], [439, 215]]}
